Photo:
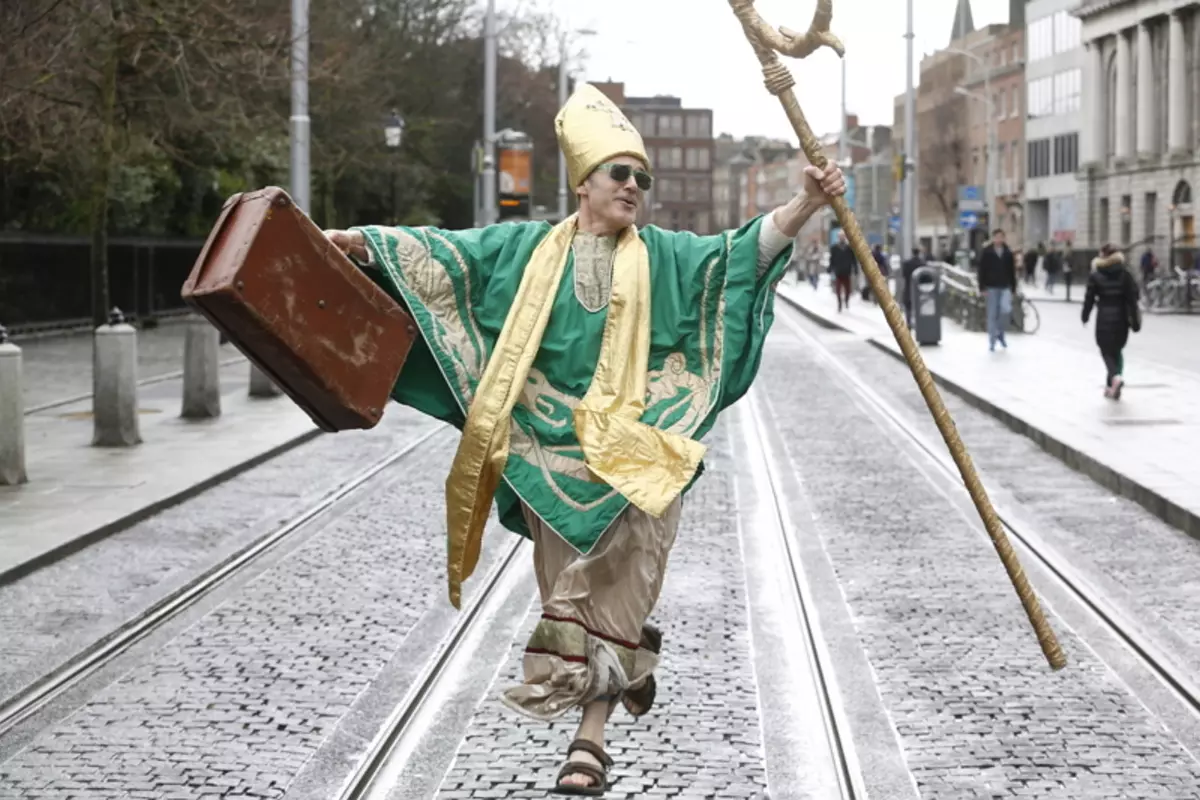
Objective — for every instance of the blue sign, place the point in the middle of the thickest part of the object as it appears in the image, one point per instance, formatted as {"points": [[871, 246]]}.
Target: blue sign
{"points": [[833, 235], [970, 198], [894, 223], [850, 191], [968, 220]]}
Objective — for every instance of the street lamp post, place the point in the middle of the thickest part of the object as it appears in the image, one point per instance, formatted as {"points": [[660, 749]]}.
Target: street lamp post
{"points": [[393, 134], [564, 73], [908, 197], [488, 195], [300, 178]]}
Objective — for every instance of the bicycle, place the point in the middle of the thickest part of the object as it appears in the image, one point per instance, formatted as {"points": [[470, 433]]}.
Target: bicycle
{"points": [[1030, 320]]}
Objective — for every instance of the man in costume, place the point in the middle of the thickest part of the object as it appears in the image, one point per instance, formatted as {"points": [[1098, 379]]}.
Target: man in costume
{"points": [[583, 363]]}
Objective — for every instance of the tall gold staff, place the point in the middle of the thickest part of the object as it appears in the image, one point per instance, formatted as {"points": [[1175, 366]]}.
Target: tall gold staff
{"points": [[767, 43]]}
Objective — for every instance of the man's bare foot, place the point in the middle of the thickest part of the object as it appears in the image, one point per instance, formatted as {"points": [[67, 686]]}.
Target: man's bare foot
{"points": [[582, 778]]}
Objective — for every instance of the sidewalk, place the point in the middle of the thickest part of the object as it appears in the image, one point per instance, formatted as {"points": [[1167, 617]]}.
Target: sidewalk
{"points": [[78, 493], [58, 368], [1142, 447]]}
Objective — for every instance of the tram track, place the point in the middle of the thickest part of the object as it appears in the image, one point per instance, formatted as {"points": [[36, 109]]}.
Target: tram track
{"points": [[31, 698], [388, 757], [834, 771], [1118, 621]]}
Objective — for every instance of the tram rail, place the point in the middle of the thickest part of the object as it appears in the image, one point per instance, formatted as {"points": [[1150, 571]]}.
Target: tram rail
{"points": [[29, 699], [1118, 621]]}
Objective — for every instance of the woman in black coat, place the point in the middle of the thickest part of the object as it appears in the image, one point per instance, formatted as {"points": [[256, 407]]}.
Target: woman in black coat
{"points": [[1113, 291]]}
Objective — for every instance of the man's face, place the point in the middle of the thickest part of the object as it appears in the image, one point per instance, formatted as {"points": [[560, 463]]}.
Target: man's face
{"points": [[998, 239], [612, 201], [841, 237]]}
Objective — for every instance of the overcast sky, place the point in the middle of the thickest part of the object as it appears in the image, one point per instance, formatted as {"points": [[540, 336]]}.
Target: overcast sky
{"points": [[695, 49]]}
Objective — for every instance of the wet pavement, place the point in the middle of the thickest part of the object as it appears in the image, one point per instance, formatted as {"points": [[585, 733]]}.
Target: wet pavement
{"points": [[276, 684]]}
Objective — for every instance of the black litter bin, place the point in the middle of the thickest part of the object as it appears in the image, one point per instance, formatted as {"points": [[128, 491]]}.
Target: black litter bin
{"points": [[926, 299]]}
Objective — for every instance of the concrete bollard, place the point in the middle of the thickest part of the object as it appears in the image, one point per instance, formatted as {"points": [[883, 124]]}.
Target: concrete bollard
{"points": [[114, 384], [201, 370], [261, 385], [12, 414]]}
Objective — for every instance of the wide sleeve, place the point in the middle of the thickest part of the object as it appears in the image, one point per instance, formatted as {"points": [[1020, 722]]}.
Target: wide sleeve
{"points": [[457, 286], [721, 278]]}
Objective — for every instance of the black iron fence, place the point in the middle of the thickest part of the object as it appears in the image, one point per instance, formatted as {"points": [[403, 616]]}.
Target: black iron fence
{"points": [[45, 281]]}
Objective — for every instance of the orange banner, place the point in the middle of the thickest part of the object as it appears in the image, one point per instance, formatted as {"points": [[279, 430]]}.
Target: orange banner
{"points": [[516, 171]]}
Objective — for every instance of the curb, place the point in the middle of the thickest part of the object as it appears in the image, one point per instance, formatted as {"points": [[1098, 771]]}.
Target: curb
{"points": [[1160, 506], [129, 520]]}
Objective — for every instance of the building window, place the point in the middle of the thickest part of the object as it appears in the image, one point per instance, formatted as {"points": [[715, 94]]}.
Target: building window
{"points": [[1039, 38], [1067, 32], [1039, 96], [1016, 54], [698, 190], [1038, 158], [702, 223], [697, 158], [670, 125], [668, 190], [1015, 97], [1066, 153], [670, 158], [699, 126], [1067, 88]]}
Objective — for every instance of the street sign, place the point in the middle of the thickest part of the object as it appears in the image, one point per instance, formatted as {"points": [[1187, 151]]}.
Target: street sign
{"points": [[970, 198], [968, 220], [894, 223], [849, 190], [833, 235]]}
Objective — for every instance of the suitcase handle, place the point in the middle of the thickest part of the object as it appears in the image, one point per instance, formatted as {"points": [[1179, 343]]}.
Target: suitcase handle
{"points": [[190, 284]]}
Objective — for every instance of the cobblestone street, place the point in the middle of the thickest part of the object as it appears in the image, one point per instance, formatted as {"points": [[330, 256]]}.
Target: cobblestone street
{"points": [[832, 545]]}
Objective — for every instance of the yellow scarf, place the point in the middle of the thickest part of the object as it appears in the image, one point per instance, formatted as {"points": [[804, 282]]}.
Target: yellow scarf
{"points": [[648, 466]]}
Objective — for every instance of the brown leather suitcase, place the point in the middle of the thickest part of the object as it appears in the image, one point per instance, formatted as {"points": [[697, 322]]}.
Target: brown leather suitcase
{"points": [[298, 308]]}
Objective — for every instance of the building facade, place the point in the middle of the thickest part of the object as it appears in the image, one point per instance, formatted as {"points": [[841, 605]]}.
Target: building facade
{"points": [[1141, 94], [1053, 118], [996, 79], [679, 142]]}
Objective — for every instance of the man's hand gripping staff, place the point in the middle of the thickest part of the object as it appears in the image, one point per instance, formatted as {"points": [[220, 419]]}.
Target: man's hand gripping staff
{"points": [[769, 44]]}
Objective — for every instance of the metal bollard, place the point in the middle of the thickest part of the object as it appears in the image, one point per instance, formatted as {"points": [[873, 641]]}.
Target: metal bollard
{"points": [[114, 384], [261, 385], [201, 370], [12, 414]]}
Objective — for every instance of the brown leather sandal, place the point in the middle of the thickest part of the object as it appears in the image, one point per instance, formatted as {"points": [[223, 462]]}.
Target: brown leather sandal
{"points": [[642, 698], [599, 775]]}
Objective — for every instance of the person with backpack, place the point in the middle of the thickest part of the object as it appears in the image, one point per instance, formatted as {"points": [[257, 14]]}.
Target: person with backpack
{"points": [[1113, 291]]}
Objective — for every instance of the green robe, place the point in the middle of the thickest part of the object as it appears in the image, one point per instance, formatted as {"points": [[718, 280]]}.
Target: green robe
{"points": [[710, 313]]}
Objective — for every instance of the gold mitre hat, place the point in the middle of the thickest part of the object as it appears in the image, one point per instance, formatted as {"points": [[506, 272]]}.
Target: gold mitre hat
{"points": [[591, 130]]}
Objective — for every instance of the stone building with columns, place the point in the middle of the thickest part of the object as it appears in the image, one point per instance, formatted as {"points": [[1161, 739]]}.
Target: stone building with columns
{"points": [[1141, 131]]}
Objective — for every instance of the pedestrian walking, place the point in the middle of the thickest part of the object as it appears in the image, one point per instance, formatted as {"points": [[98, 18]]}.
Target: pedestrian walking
{"points": [[998, 280], [910, 265], [843, 266], [579, 362], [1029, 265], [1113, 291]]}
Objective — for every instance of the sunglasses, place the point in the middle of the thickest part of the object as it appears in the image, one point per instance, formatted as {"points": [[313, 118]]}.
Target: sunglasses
{"points": [[621, 172]]}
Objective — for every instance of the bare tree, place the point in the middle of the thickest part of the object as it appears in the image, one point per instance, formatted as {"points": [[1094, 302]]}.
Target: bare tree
{"points": [[944, 157]]}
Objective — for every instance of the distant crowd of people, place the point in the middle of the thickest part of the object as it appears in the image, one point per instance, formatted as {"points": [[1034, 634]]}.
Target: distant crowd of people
{"points": [[1112, 290]]}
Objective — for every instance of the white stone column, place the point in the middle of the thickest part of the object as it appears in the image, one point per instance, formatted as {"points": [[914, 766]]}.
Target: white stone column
{"points": [[1124, 121], [1145, 91], [1177, 90], [1093, 134]]}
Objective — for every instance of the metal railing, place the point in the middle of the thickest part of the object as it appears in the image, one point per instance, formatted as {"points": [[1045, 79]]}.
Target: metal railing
{"points": [[964, 302]]}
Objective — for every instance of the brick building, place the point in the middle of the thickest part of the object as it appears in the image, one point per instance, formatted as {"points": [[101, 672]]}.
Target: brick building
{"points": [[679, 142]]}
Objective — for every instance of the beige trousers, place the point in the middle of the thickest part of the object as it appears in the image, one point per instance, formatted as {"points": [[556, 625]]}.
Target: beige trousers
{"points": [[585, 646]]}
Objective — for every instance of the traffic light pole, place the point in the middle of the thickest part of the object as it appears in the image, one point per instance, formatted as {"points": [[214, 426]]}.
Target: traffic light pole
{"points": [[908, 210]]}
